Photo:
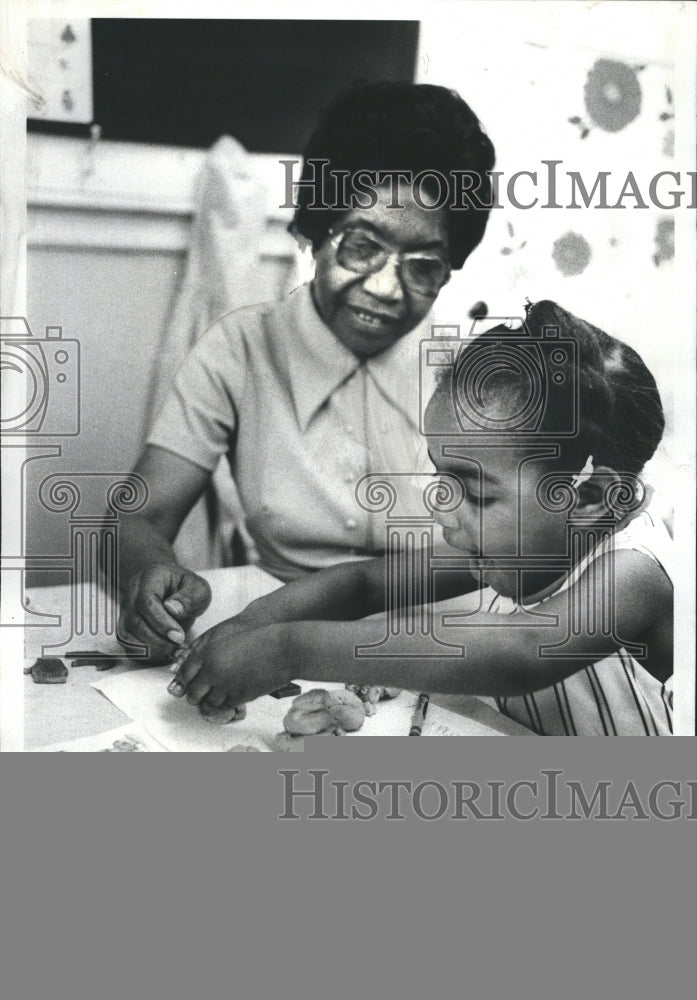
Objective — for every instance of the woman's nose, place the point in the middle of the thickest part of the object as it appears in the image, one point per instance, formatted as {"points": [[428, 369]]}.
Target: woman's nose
{"points": [[385, 283]]}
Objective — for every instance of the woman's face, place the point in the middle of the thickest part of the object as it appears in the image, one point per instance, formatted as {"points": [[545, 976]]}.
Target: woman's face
{"points": [[370, 312]]}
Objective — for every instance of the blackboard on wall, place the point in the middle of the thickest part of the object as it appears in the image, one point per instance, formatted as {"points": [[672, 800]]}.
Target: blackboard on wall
{"points": [[186, 82]]}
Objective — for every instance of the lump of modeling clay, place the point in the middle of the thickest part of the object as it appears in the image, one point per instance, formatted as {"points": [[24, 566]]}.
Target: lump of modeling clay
{"points": [[222, 716], [48, 670], [321, 711], [288, 743], [371, 695]]}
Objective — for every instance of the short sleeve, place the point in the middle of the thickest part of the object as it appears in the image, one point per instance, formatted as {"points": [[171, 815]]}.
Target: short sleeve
{"points": [[198, 417]]}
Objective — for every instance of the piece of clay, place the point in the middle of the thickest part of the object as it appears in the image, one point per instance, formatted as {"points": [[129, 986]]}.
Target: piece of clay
{"points": [[370, 695], [107, 664], [127, 745], [222, 716], [101, 663], [243, 748], [321, 711], [288, 743], [48, 670]]}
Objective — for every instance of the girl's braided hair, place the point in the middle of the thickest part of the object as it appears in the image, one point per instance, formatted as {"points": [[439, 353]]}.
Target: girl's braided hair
{"points": [[619, 410]]}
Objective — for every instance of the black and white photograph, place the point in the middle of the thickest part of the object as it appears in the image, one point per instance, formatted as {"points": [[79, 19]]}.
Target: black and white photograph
{"points": [[348, 364]]}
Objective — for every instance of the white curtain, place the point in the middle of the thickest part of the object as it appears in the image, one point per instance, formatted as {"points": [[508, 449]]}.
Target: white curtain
{"points": [[222, 273]]}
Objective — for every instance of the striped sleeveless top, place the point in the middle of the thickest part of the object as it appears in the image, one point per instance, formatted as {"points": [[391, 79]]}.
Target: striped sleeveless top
{"points": [[615, 696]]}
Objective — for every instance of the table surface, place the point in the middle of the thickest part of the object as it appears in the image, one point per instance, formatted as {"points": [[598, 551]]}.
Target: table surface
{"points": [[56, 713]]}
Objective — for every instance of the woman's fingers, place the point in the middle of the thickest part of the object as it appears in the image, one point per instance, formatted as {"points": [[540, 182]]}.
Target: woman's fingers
{"points": [[159, 620], [133, 628], [143, 616], [190, 599], [164, 601]]}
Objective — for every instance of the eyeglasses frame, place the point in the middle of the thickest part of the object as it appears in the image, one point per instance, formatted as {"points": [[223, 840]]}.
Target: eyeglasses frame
{"points": [[400, 255]]}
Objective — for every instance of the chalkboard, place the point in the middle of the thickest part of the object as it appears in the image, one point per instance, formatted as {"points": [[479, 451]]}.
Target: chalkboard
{"points": [[186, 82]]}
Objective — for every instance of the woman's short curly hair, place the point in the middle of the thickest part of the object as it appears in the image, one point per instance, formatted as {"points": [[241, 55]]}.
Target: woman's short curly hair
{"points": [[399, 126]]}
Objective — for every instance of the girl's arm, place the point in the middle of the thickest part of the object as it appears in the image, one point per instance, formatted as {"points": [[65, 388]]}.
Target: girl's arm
{"points": [[261, 632], [501, 658], [345, 592]]}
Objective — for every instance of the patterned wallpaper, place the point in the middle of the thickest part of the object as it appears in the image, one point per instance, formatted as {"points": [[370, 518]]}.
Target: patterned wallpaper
{"points": [[556, 96]]}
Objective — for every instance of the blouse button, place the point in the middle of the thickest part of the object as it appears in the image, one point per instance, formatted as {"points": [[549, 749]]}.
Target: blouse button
{"points": [[349, 428], [351, 523]]}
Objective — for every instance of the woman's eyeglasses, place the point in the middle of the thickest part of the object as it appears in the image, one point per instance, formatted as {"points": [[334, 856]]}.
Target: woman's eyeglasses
{"points": [[361, 253]]}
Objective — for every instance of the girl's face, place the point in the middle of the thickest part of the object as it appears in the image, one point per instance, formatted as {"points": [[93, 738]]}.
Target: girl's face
{"points": [[500, 516], [370, 312]]}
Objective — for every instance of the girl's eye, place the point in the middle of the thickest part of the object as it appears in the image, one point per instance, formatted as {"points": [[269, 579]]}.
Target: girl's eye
{"points": [[478, 501]]}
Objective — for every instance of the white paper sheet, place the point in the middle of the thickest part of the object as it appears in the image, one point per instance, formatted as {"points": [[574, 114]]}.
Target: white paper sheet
{"points": [[142, 694], [125, 739]]}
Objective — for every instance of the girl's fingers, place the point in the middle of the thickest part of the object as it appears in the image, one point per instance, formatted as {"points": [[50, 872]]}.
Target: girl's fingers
{"points": [[197, 691], [189, 667], [214, 699], [183, 654]]}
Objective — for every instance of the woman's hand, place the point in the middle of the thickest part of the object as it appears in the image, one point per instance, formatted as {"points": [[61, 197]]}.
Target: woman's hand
{"points": [[228, 666], [162, 602]]}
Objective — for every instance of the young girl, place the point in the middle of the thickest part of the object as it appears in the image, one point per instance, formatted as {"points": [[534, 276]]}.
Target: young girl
{"points": [[544, 431]]}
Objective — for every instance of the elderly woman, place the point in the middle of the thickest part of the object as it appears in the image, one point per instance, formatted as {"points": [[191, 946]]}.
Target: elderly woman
{"points": [[307, 395]]}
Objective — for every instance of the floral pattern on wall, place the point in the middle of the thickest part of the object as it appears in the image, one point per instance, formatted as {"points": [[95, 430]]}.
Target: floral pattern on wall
{"points": [[594, 111]]}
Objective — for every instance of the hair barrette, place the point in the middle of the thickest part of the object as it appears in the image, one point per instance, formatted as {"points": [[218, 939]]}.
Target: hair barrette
{"points": [[584, 475]]}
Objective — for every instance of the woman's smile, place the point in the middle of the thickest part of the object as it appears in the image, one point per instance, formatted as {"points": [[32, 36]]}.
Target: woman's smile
{"points": [[373, 320]]}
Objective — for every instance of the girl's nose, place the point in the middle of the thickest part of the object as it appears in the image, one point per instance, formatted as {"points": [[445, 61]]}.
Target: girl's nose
{"points": [[385, 284], [447, 519]]}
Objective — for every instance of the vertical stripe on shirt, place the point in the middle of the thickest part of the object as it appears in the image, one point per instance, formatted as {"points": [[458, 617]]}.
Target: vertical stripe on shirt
{"points": [[630, 682], [598, 704], [604, 698], [562, 714], [667, 707], [568, 708]]}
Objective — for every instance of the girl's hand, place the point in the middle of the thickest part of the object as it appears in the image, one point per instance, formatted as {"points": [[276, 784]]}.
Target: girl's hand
{"points": [[227, 666]]}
